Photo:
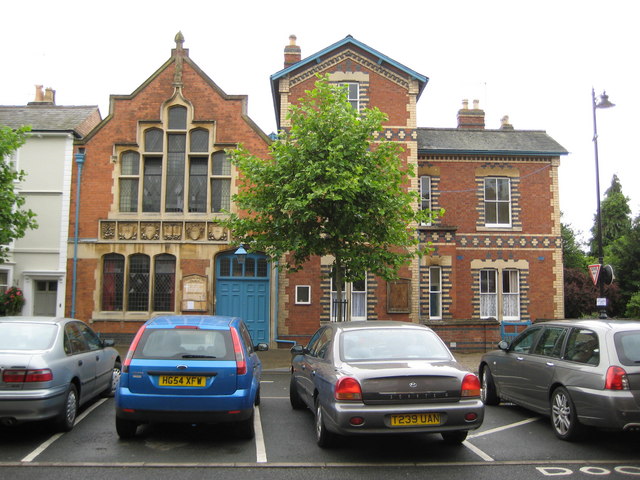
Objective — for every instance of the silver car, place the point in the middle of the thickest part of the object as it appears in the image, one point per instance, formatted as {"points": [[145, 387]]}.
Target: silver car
{"points": [[578, 372], [381, 377], [51, 366]]}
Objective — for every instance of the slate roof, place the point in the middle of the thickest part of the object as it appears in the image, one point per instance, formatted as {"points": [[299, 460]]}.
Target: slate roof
{"points": [[488, 142], [51, 118]]}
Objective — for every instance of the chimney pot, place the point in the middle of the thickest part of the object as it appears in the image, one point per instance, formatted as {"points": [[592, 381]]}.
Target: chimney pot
{"points": [[292, 52], [504, 123], [471, 119]]}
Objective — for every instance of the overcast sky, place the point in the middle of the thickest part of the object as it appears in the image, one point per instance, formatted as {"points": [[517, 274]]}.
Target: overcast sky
{"points": [[534, 61]]}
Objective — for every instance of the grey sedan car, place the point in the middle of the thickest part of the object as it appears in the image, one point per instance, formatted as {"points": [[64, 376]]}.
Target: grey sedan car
{"points": [[380, 377], [578, 372], [51, 366]]}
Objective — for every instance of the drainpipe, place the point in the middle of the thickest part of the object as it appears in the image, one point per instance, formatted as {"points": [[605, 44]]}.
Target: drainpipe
{"points": [[279, 340], [79, 157]]}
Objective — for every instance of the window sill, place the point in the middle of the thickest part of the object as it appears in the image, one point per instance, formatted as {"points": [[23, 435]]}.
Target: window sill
{"points": [[497, 228]]}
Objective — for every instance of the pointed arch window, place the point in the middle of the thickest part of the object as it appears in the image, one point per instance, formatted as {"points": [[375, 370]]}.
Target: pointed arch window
{"points": [[112, 282], [164, 283], [138, 283]]}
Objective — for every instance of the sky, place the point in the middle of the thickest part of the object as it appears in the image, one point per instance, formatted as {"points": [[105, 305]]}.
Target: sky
{"points": [[536, 62]]}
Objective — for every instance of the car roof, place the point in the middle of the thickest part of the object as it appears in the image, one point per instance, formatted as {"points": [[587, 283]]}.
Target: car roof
{"points": [[378, 324], [608, 323], [35, 319], [201, 321]]}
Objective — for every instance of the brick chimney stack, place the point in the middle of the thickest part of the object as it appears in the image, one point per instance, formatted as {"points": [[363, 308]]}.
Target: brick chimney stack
{"points": [[46, 97], [292, 52], [471, 118], [504, 123]]}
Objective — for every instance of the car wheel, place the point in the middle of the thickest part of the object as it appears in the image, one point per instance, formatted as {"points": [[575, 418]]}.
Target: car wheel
{"points": [[488, 394], [126, 428], [67, 416], [455, 437], [245, 429], [294, 395], [564, 418], [257, 400], [324, 438], [115, 381]]}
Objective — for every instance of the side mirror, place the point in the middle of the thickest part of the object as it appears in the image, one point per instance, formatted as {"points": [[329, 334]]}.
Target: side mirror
{"points": [[261, 347], [503, 345], [108, 342], [297, 350]]}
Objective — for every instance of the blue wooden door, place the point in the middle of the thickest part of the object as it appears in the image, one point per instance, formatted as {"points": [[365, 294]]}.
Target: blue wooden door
{"points": [[242, 290]]}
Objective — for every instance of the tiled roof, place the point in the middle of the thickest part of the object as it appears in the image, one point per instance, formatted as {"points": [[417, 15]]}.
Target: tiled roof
{"points": [[51, 118], [495, 142]]}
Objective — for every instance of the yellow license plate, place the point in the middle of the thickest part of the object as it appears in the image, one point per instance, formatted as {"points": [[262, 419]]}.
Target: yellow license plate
{"points": [[409, 419], [182, 381]]}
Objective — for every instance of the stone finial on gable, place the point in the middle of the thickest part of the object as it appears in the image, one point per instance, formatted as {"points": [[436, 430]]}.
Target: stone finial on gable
{"points": [[179, 53]]}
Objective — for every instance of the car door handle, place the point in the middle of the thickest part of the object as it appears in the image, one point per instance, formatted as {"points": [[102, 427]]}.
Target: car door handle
{"points": [[520, 359], [80, 363], [551, 364]]}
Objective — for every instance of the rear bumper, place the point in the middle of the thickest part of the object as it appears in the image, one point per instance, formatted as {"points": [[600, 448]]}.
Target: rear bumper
{"points": [[162, 416], [377, 418], [618, 410], [31, 405], [184, 408]]}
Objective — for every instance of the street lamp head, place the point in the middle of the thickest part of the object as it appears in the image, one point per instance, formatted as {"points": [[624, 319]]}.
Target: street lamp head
{"points": [[604, 101]]}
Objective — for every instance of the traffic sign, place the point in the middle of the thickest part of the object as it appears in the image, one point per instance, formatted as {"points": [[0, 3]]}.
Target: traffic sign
{"points": [[594, 272]]}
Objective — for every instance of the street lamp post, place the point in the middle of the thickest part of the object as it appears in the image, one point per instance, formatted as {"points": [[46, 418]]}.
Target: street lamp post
{"points": [[602, 103]]}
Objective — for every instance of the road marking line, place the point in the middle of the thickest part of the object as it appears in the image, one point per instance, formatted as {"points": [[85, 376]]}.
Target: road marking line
{"points": [[504, 427], [261, 449], [46, 444], [478, 452]]}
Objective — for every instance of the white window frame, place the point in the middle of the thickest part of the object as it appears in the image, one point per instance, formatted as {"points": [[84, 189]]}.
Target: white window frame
{"points": [[511, 297], [425, 188], [488, 298], [300, 298], [349, 294], [494, 203], [9, 273], [354, 101], [435, 290]]}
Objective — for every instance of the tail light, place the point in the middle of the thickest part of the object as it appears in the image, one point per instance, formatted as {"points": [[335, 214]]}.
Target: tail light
{"points": [[616, 379], [132, 349], [241, 362], [470, 386], [348, 388], [27, 376]]}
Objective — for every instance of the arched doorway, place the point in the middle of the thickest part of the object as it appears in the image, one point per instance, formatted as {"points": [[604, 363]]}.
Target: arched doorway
{"points": [[242, 290]]}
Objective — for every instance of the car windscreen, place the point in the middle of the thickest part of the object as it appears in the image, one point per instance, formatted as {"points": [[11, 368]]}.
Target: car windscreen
{"points": [[392, 344], [628, 347], [191, 344], [24, 336]]}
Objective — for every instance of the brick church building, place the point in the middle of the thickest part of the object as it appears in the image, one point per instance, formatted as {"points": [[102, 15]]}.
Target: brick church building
{"points": [[156, 179]]}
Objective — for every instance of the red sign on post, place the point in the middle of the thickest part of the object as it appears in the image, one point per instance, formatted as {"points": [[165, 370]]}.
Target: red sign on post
{"points": [[594, 272]]}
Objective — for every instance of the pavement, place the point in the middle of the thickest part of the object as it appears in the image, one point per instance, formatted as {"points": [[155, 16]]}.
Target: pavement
{"points": [[279, 360]]}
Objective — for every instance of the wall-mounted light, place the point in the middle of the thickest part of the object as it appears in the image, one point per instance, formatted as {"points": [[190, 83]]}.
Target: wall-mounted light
{"points": [[241, 254]]}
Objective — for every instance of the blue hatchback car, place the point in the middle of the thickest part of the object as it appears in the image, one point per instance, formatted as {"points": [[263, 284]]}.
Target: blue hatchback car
{"points": [[192, 369]]}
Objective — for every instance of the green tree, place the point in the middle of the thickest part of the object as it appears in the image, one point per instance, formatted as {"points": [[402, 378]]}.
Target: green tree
{"points": [[329, 188], [624, 254], [572, 254], [14, 221], [616, 217]]}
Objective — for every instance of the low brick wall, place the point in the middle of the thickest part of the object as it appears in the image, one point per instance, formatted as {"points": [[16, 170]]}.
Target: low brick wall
{"points": [[467, 336]]}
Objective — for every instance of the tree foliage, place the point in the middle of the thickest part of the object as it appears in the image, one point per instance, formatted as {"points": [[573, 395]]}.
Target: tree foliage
{"points": [[624, 255], [14, 221], [329, 188], [616, 217]]}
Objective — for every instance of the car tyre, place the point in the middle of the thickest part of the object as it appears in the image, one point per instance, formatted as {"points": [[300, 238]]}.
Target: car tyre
{"points": [[564, 417], [245, 429], [488, 394], [294, 395], [324, 438], [126, 428], [257, 400], [455, 437], [67, 416], [115, 381]]}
